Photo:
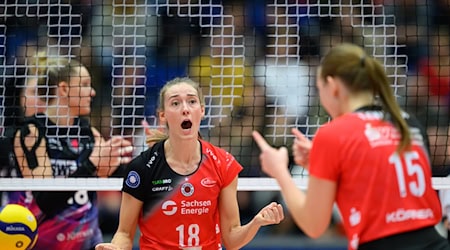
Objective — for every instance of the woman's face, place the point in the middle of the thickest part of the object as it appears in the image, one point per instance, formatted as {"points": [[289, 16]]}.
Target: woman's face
{"points": [[30, 100], [326, 94], [80, 93], [183, 110]]}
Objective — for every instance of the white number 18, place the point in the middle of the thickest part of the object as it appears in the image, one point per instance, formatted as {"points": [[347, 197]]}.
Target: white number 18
{"points": [[193, 231]]}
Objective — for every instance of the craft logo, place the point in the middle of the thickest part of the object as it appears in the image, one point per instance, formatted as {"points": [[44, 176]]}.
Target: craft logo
{"points": [[162, 189], [162, 185]]}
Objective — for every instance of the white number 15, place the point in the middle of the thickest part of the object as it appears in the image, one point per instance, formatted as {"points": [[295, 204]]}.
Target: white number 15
{"points": [[417, 187]]}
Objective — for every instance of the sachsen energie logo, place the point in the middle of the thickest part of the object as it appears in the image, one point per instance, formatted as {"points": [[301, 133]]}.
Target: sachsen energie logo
{"points": [[194, 207], [169, 207]]}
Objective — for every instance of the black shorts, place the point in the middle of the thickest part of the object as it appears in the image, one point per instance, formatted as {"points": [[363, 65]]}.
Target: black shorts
{"points": [[423, 239]]}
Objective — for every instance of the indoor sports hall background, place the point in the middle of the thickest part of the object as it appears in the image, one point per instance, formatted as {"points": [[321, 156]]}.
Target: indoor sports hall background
{"points": [[256, 61]]}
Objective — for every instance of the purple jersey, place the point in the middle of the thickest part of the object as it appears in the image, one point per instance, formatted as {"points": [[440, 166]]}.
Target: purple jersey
{"points": [[72, 222]]}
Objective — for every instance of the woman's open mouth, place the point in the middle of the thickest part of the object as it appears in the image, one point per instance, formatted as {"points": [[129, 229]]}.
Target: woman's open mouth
{"points": [[186, 124]]}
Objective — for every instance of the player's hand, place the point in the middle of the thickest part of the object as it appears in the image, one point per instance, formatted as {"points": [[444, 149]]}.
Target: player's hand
{"points": [[107, 246], [274, 162], [301, 148], [108, 155], [270, 214]]}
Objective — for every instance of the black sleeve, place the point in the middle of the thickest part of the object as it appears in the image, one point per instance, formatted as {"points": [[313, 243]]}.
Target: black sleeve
{"points": [[135, 174], [120, 171]]}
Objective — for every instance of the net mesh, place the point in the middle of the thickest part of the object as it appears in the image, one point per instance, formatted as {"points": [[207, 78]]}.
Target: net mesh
{"points": [[256, 63]]}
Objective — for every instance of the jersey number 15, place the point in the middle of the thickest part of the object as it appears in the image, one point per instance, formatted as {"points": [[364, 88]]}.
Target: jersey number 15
{"points": [[407, 164]]}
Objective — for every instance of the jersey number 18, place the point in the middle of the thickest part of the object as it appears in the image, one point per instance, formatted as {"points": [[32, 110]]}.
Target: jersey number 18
{"points": [[193, 231]]}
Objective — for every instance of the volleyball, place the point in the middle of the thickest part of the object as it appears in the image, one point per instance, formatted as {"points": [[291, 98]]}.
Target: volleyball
{"points": [[18, 228]]}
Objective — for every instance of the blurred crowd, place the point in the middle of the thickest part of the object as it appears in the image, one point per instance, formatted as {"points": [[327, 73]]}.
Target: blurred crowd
{"points": [[246, 54]]}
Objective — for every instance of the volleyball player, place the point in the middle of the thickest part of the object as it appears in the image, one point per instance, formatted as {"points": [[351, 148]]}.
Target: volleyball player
{"points": [[367, 160], [182, 190], [60, 143]]}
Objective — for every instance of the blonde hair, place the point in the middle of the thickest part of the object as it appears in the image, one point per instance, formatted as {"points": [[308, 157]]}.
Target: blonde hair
{"points": [[50, 70]]}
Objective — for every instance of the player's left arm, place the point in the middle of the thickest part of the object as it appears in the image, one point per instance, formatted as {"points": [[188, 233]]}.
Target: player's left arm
{"points": [[234, 235]]}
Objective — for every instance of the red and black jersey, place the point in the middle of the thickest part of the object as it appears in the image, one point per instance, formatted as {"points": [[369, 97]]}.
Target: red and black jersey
{"points": [[379, 192], [180, 211]]}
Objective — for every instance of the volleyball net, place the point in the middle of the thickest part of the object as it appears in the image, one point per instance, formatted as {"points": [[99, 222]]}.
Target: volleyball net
{"points": [[255, 61]]}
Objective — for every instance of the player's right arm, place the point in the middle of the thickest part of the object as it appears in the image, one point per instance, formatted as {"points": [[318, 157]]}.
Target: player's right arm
{"points": [[311, 211], [130, 209]]}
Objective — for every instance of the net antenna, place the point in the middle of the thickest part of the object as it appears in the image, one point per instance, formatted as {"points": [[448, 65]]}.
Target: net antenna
{"points": [[121, 34]]}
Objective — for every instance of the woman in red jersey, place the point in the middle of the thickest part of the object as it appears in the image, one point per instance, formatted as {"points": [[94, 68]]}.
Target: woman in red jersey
{"points": [[370, 159], [182, 190]]}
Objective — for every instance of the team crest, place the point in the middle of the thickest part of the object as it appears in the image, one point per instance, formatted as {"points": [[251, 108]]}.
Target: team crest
{"points": [[133, 179], [187, 189]]}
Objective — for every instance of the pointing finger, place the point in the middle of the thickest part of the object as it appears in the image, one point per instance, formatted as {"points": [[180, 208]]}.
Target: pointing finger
{"points": [[260, 141], [299, 135]]}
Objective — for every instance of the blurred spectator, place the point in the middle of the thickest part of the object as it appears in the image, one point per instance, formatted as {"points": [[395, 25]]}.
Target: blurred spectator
{"points": [[178, 39], [237, 102], [286, 76], [119, 34], [441, 13], [429, 88], [413, 19], [439, 136]]}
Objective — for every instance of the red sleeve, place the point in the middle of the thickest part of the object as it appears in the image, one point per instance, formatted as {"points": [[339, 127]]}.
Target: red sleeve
{"points": [[226, 165], [232, 169]]}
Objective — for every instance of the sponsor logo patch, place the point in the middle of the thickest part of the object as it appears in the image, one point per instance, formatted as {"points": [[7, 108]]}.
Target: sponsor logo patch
{"points": [[169, 207], [133, 179], [207, 182], [187, 189]]}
